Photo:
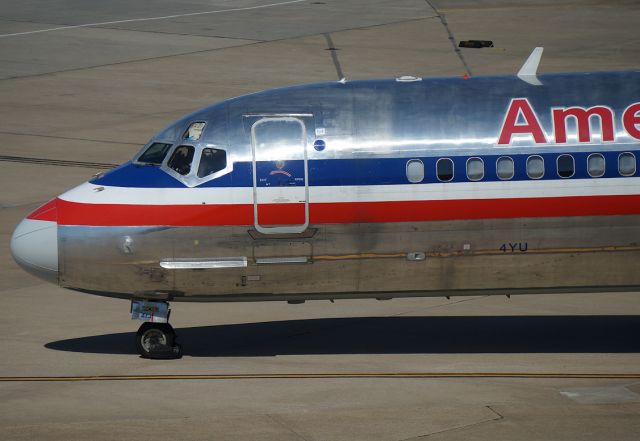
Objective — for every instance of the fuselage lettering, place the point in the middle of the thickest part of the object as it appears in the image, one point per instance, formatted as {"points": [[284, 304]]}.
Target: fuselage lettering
{"points": [[530, 125], [509, 247], [631, 120], [583, 119], [522, 119]]}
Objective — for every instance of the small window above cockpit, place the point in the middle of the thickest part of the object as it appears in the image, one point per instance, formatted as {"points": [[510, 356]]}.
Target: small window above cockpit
{"points": [[211, 161], [181, 159], [155, 153], [194, 132]]}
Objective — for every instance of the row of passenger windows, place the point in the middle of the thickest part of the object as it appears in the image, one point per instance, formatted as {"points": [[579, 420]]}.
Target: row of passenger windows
{"points": [[211, 160], [535, 167]]}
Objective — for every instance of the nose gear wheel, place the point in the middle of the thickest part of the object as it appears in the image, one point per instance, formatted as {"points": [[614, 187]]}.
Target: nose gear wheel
{"points": [[157, 340]]}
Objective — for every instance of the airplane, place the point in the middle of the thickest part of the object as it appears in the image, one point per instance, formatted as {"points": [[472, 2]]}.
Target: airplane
{"points": [[406, 187]]}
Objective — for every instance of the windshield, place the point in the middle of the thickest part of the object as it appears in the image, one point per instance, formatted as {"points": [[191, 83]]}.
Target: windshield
{"points": [[212, 161], [155, 153], [181, 159]]}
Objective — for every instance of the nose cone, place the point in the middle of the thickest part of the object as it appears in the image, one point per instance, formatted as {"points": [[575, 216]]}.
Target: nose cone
{"points": [[34, 244]]}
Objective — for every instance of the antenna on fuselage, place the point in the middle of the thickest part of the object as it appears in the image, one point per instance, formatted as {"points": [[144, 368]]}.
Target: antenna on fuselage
{"points": [[529, 70]]}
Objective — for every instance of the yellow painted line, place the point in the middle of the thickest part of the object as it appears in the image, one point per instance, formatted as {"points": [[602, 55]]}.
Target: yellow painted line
{"points": [[609, 376]]}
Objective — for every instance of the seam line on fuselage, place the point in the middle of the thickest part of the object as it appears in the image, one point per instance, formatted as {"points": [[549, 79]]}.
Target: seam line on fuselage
{"points": [[485, 252]]}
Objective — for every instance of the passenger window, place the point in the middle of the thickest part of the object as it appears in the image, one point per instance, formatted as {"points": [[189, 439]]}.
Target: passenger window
{"points": [[211, 161], [627, 164], [566, 166], [415, 171], [155, 153], [504, 168], [475, 169], [596, 165], [181, 159], [194, 132], [444, 168], [535, 167]]}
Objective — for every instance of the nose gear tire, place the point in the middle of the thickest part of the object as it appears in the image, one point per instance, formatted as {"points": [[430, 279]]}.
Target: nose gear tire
{"points": [[157, 340]]}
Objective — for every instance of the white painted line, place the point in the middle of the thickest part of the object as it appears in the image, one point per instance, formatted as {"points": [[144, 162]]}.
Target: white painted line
{"points": [[86, 194], [104, 23]]}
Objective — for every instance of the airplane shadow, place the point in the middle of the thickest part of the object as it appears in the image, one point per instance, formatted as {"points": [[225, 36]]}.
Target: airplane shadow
{"points": [[391, 335]]}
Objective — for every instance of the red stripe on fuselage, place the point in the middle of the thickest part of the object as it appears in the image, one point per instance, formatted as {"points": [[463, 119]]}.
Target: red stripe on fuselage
{"points": [[73, 213], [47, 212]]}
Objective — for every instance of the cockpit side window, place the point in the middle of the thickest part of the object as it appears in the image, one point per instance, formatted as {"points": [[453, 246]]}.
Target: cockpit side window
{"points": [[181, 159], [155, 153], [211, 161]]}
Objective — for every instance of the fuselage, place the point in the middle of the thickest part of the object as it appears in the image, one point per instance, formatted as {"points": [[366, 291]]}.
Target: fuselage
{"points": [[376, 189]]}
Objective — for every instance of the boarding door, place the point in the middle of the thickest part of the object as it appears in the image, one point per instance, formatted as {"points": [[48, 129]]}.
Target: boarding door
{"points": [[280, 175]]}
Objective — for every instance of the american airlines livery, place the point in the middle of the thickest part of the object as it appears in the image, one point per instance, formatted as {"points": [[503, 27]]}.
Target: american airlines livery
{"points": [[406, 187]]}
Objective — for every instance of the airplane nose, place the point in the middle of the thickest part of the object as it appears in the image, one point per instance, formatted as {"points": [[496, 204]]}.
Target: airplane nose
{"points": [[34, 243]]}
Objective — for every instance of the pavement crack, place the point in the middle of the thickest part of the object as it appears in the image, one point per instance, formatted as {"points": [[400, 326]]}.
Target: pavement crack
{"points": [[282, 424], [69, 138], [155, 18], [334, 55], [4, 206], [452, 39], [251, 42], [58, 162], [497, 417], [113, 28], [440, 305]]}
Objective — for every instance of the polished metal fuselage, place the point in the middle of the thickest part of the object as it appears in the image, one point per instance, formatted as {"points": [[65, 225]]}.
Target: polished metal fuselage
{"points": [[377, 120]]}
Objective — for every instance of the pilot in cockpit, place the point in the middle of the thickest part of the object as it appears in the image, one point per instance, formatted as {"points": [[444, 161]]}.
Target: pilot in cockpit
{"points": [[182, 160], [212, 160]]}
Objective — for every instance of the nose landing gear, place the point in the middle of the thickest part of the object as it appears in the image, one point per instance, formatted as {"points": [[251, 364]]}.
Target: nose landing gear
{"points": [[155, 338]]}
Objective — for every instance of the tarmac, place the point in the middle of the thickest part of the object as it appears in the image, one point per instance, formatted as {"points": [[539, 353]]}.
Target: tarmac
{"points": [[85, 84]]}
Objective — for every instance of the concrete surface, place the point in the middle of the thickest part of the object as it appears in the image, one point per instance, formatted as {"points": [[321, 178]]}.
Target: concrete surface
{"points": [[96, 93]]}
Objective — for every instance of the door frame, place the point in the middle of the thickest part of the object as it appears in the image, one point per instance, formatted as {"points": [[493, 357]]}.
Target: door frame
{"points": [[283, 229]]}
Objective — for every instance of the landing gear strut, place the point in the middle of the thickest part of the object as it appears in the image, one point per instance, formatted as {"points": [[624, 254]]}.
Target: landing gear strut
{"points": [[155, 338]]}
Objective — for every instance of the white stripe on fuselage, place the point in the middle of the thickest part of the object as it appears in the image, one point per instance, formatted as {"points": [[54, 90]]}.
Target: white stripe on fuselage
{"points": [[91, 194]]}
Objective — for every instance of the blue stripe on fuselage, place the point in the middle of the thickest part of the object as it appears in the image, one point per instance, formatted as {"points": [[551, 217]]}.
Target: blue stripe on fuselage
{"points": [[337, 172]]}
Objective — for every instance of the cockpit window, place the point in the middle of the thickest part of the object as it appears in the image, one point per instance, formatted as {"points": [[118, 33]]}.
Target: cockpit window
{"points": [[155, 153], [211, 161], [194, 132], [181, 159]]}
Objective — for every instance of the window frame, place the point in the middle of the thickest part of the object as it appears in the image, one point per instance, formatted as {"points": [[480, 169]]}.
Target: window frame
{"points": [[453, 169], [467, 168], [136, 158], [191, 164], [199, 159], [513, 168], [526, 165], [604, 169], [184, 139], [406, 169], [573, 161], [191, 179], [635, 164]]}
